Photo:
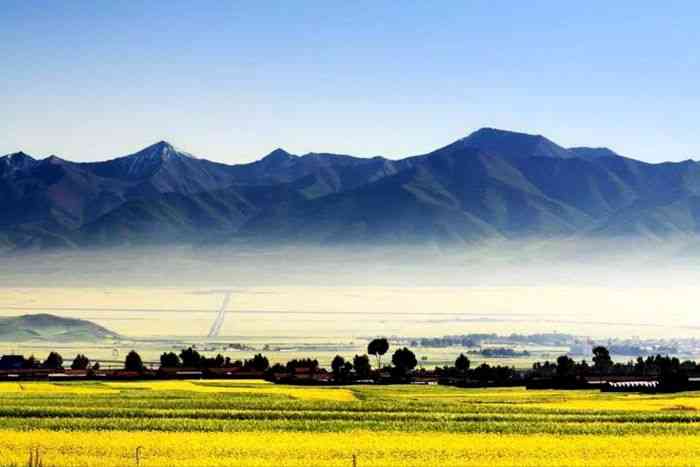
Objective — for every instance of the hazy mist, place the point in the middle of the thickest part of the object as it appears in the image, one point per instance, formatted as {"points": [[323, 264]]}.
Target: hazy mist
{"points": [[599, 288]]}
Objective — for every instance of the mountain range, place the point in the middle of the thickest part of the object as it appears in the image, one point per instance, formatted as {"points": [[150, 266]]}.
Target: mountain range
{"points": [[492, 183]]}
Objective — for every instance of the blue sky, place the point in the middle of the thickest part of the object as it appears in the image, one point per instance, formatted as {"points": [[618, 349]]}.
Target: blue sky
{"points": [[231, 81]]}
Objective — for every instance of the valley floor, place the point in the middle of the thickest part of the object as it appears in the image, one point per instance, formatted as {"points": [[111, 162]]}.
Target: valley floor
{"points": [[222, 423]]}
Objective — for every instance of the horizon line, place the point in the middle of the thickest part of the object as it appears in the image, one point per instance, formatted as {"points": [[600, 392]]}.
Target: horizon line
{"points": [[314, 153]]}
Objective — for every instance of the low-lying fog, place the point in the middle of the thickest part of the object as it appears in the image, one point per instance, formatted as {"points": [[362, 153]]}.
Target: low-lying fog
{"points": [[596, 288]]}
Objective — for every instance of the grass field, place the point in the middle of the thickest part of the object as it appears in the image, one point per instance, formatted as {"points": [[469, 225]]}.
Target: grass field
{"points": [[222, 423]]}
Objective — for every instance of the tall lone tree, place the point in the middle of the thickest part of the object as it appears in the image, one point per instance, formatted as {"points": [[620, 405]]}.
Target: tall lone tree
{"points": [[378, 347], [133, 362]]}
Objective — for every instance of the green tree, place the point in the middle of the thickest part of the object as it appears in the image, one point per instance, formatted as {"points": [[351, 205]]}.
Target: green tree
{"points": [[601, 359], [169, 360], [566, 367], [80, 362], [259, 362], [362, 366], [190, 358], [31, 362], [462, 363], [133, 362], [337, 364], [54, 361], [484, 373], [378, 347], [294, 364], [219, 360], [404, 360]]}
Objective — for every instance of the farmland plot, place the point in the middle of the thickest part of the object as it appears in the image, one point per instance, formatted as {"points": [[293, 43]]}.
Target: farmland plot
{"points": [[217, 423]]}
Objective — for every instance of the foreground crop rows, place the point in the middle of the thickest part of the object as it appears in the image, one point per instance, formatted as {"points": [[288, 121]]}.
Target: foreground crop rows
{"points": [[252, 423], [336, 449]]}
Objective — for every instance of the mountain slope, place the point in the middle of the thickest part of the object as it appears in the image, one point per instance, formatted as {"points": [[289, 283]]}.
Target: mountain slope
{"points": [[160, 168], [492, 183], [55, 192], [457, 195], [56, 203], [168, 217]]}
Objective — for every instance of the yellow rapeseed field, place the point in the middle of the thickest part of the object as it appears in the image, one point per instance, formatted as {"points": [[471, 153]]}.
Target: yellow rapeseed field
{"points": [[245, 386], [253, 423], [99, 449]]}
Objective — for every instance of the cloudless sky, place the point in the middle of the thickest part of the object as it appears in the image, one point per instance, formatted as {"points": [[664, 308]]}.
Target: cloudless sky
{"points": [[232, 81]]}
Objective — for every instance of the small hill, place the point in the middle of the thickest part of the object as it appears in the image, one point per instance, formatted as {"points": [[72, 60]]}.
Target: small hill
{"points": [[46, 327]]}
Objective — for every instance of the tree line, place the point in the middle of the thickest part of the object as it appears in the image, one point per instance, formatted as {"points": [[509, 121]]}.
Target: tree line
{"points": [[564, 372], [54, 361], [670, 372]]}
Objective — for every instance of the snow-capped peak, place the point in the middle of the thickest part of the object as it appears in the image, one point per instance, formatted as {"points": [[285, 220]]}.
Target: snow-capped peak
{"points": [[15, 162], [162, 150], [17, 158], [148, 160]]}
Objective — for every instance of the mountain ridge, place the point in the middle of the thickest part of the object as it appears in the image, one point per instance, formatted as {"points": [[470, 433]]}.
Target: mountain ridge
{"points": [[492, 183], [468, 140]]}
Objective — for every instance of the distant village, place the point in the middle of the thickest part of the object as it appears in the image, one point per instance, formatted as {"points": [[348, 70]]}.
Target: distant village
{"points": [[491, 344]]}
